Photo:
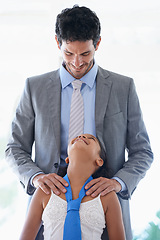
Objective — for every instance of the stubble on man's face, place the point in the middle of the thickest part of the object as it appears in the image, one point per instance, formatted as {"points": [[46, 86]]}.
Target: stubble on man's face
{"points": [[78, 57], [77, 73]]}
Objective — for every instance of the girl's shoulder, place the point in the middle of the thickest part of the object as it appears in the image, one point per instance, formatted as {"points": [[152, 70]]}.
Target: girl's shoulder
{"points": [[109, 199], [109, 196], [42, 196]]}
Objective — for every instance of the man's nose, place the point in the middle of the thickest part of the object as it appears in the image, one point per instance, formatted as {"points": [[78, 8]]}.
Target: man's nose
{"points": [[77, 61]]}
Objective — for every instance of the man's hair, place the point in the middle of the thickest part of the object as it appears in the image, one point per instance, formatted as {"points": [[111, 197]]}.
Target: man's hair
{"points": [[77, 24]]}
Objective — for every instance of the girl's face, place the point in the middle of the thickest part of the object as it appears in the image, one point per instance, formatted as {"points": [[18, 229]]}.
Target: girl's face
{"points": [[87, 144]]}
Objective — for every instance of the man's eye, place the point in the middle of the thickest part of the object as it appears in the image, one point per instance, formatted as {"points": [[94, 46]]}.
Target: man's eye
{"points": [[85, 54], [68, 54]]}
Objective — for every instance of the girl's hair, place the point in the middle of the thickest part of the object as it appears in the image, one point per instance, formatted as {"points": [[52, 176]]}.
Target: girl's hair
{"points": [[103, 171]]}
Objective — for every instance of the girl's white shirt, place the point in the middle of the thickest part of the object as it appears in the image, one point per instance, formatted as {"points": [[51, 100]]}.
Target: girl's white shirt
{"points": [[91, 215]]}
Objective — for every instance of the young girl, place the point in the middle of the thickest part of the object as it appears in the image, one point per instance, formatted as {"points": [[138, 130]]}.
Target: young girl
{"points": [[83, 160]]}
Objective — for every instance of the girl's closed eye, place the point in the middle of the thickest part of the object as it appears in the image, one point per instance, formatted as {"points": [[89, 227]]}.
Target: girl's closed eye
{"points": [[92, 138]]}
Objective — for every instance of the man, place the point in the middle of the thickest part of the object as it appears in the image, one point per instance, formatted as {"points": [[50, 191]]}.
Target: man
{"points": [[111, 112]]}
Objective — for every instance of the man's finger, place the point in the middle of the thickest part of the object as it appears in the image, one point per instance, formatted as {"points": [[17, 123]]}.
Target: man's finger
{"points": [[97, 189], [43, 187], [55, 185], [107, 190], [52, 181], [60, 179], [92, 182], [103, 186], [48, 183]]}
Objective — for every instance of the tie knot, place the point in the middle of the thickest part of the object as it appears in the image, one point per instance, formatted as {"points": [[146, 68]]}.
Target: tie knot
{"points": [[77, 84], [74, 205]]}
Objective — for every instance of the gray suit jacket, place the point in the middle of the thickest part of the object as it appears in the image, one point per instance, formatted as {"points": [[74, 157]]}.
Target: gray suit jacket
{"points": [[119, 127]]}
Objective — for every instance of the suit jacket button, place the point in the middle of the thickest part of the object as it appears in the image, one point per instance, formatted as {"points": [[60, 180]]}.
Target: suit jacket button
{"points": [[56, 165]]}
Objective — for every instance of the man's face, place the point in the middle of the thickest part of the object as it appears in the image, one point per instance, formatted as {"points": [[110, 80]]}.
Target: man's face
{"points": [[78, 56]]}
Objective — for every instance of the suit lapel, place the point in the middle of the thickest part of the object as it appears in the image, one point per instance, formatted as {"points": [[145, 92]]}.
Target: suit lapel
{"points": [[54, 96], [103, 88]]}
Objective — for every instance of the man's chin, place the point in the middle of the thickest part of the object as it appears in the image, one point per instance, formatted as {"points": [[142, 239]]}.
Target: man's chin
{"points": [[77, 75]]}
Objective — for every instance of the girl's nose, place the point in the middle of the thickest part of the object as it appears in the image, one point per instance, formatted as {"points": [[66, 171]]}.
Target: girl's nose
{"points": [[82, 136]]}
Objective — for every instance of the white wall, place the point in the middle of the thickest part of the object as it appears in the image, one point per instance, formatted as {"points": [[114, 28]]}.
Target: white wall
{"points": [[130, 46]]}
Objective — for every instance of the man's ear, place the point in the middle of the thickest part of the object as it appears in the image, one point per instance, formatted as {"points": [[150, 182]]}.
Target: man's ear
{"points": [[57, 42], [99, 162], [98, 44], [67, 160]]}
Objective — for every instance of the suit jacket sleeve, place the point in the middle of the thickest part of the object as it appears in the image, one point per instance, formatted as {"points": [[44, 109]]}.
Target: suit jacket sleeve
{"points": [[140, 155], [19, 148]]}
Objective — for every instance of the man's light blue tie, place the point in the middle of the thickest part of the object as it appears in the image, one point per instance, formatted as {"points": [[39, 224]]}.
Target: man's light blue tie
{"points": [[76, 122], [72, 225]]}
